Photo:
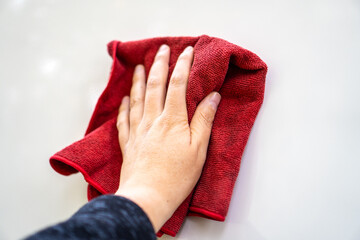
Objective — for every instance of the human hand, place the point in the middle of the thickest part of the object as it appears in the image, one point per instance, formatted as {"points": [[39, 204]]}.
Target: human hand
{"points": [[163, 155]]}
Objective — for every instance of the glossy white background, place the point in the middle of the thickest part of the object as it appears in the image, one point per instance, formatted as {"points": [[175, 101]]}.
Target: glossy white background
{"points": [[299, 177]]}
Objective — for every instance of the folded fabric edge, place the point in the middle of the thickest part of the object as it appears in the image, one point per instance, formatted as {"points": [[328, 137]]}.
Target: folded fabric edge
{"points": [[62, 166], [200, 212], [166, 231]]}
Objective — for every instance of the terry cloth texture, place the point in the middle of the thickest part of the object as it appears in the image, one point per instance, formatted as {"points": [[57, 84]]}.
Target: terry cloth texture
{"points": [[236, 73]]}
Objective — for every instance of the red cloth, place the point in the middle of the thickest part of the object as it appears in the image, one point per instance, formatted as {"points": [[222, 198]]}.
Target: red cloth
{"points": [[236, 73]]}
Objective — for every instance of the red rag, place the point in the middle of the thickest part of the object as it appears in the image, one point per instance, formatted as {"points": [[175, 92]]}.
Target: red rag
{"points": [[236, 73]]}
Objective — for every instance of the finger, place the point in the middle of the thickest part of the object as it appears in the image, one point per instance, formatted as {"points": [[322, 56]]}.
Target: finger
{"points": [[202, 121], [123, 124], [156, 84], [137, 94], [175, 102]]}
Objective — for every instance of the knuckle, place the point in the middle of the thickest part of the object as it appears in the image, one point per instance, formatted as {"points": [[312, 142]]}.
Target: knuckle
{"points": [[205, 119], [134, 101], [172, 104], [146, 124], [120, 121], [167, 121], [153, 81], [177, 79], [171, 121]]}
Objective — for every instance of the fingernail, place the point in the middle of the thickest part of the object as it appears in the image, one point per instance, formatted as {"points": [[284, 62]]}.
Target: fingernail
{"points": [[125, 99], [163, 47], [188, 49], [138, 67], [215, 100]]}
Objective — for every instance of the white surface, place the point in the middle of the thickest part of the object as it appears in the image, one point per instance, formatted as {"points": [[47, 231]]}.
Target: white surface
{"points": [[299, 177]]}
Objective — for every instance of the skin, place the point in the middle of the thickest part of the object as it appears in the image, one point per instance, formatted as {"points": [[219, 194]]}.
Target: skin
{"points": [[163, 155]]}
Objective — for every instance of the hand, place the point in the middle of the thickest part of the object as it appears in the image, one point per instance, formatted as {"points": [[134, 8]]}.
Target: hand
{"points": [[162, 155]]}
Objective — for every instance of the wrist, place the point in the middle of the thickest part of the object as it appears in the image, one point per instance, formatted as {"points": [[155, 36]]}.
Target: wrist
{"points": [[150, 201]]}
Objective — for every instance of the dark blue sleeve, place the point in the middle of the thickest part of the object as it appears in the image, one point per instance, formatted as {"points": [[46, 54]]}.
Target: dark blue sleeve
{"points": [[105, 217]]}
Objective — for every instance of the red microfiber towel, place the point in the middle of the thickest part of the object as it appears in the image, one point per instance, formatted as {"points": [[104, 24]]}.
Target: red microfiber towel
{"points": [[236, 73]]}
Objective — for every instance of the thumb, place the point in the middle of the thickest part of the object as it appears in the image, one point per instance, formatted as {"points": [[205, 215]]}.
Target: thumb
{"points": [[202, 121]]}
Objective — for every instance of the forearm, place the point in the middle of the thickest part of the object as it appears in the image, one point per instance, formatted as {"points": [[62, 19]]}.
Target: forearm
{"points": [[106, 217]]}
